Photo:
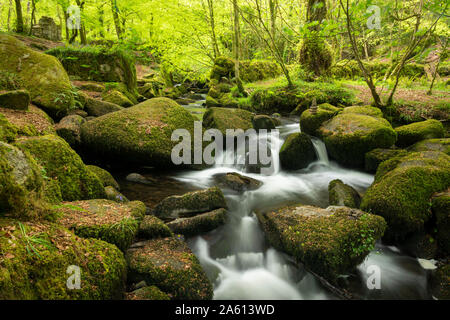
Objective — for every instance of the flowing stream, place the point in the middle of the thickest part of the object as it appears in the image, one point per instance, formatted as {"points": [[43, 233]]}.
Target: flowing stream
{"points": [[242, 265]]}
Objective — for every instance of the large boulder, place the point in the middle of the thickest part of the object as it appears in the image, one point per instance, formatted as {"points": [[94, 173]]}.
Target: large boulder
{"points": [[20, 182], [33, 122], [227, 118], [40, 261], [297, 152], [42, 75], [16, 100], [311, 122], [98, 108], [60, 162], [331, 242], [103, 219], [190, 204], [415, 132], [118, 98], [105, 177], [200, 224], [341, 194], [442, 145], [152, 227], [377, 156], [69, 128], [140, 134], [403, 188], [261, 122], [349, 136], [440, 206], [170, 265]]}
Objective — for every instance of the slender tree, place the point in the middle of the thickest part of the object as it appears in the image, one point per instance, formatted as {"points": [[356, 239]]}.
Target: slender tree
{"points": [[19, 17]]}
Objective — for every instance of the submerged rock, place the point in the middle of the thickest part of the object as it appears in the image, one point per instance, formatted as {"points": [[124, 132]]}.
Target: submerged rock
{"points": [[138, 178], [415, 132], [349, 136], [170, 265], [151, 227], [375, 157], [103, 219], [331, 242], [341, 194], [297, 152], [60, 162], [140, 134], [49, 261], [190, 204], [16, 100], [403, 188], [237, 182], [200, 224], [42, 75]]}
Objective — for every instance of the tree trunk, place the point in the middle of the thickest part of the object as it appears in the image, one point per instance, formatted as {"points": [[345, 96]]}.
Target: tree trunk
{"points": [[19, 15], [273, 6], [33, 16], [82, 27], [212, 23], [8, 26], [115, 13], [236, 46]]}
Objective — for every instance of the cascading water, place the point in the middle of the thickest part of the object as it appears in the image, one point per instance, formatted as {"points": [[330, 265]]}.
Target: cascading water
{"points": [[236, 257]]}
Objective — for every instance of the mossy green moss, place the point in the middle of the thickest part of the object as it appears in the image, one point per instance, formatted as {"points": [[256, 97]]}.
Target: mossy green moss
{"points": [[16, 100], [200, 224], [42, 75], [366, 110], [350, 136], [8, 131], [257, 70], [105, 177], [140, 134], [403, 188], [441, 210], [225, 118], [441, 282], [297, 152], [330, 242], [35, 257], [415, 132], [311, 122], [375, 157], [223, 67], [152, 227], [315, 54], [442, 145], [118, 98], [152, 293], [103, 219], [62, 163], [264, 122], [33, 122], [170, 265], [341, 194]]}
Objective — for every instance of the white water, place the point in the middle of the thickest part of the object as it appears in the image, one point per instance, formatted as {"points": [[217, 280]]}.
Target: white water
{"points": [[235, 256]]}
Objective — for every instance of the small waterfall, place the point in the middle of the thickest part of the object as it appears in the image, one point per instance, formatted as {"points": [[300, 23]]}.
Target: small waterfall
{"points": [[321, 151]]}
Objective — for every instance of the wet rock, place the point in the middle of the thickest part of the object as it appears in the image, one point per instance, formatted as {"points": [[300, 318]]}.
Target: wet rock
{"points": [[297, 152], [138, 178], [98, 108], [114, 195], [170, 265], [331, 242], [200, 224], [403, 188], [263, 122], [415, 132], [151, 228], [341, 194], [103, 219], [69, 128], [17, 100], [421, 245], [237, 182], [102, 265], [190, 204], [375, 157]]}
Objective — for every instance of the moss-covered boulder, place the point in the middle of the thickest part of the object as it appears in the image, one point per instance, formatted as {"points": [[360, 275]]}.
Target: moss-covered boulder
{"points": [[170, 265], [8, 131], [226, 118], [16, 100], [190, 204], [99, 64], [365, 110], [281, 100], [152, 227], [375, 157], [200, 224], [331, 242], [261, 122], [311, 122], [415, 132], [440, 282], [69, 128], [441, 209], [105, 177], [98, 108], [341, 194], [151, 293], [62, 163], [140, 134], [114, 195], [38, 260], [297, 152], [236, 182], [103, 219], [33, 122], [20, 182], [42, 75], [349, 136], [223, 68], [403, 188], [442, 145], [257, 70], [118, 98]]}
